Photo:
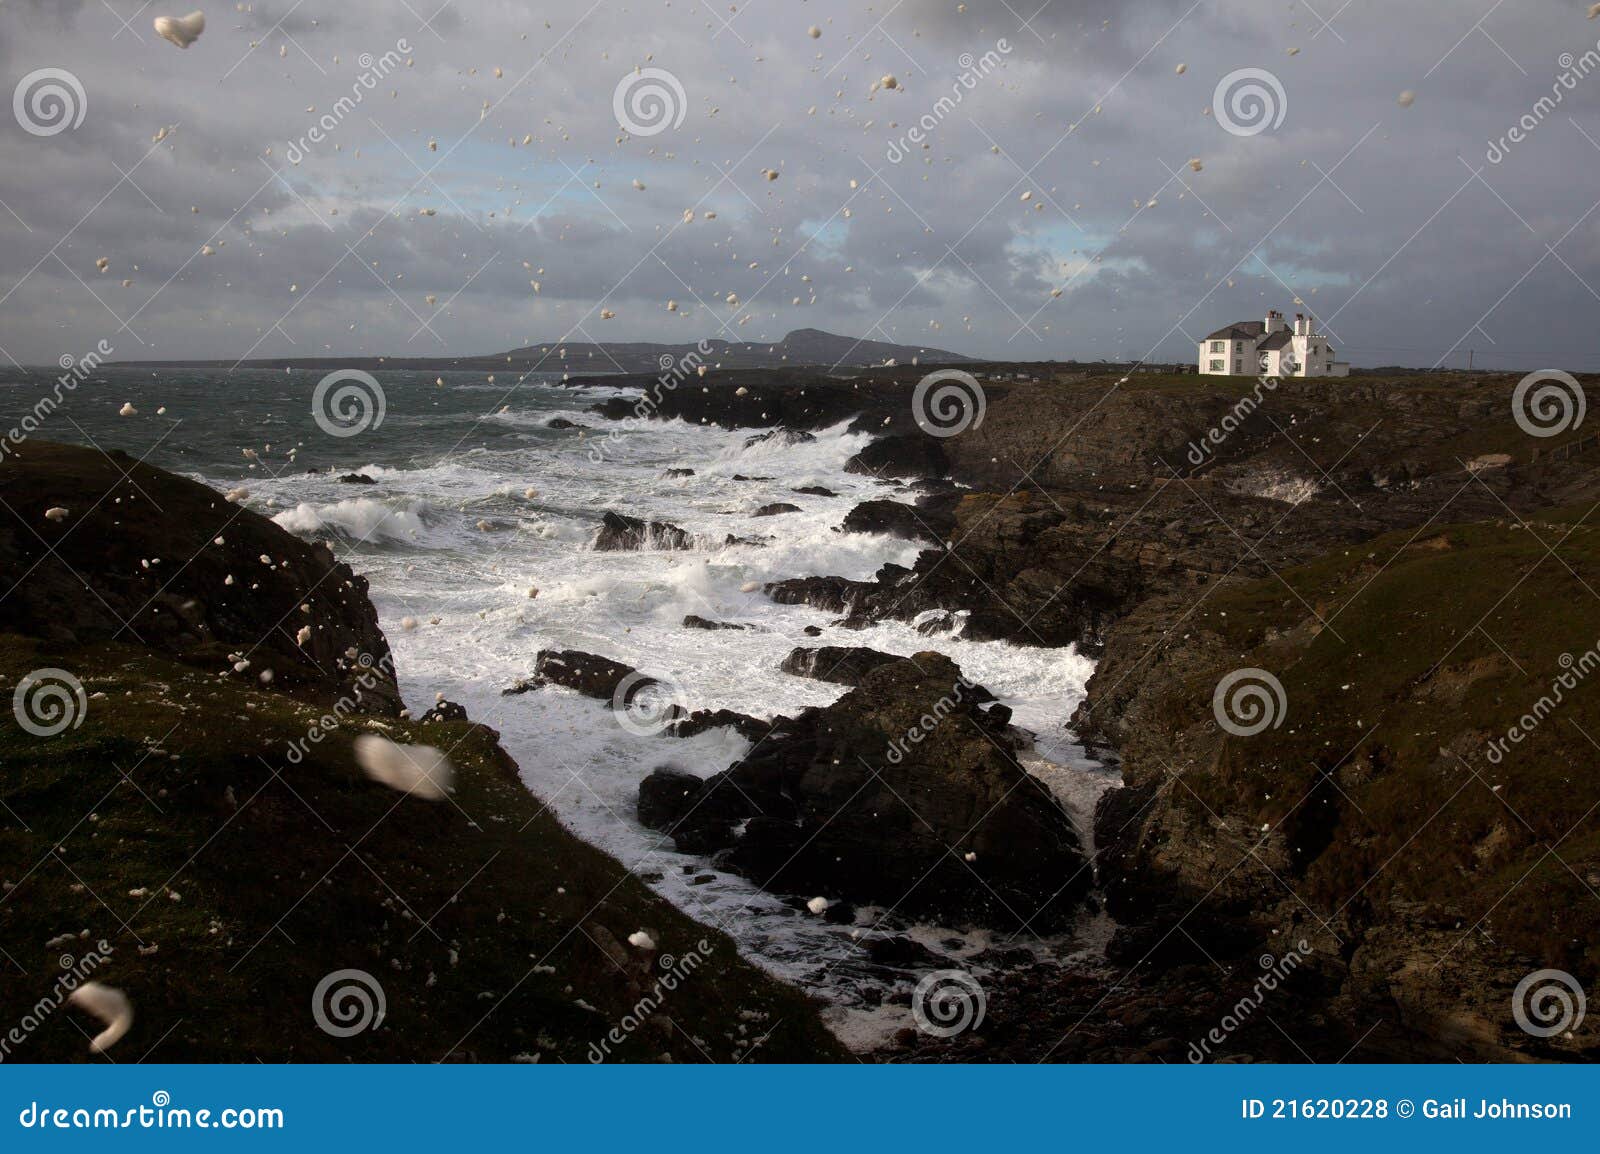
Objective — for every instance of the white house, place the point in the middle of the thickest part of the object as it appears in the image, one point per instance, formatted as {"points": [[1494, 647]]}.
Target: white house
{"points": [[1270, 348]]}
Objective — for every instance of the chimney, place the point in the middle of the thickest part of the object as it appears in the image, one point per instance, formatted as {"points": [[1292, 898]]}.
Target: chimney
{"points": [[1302, 327]]}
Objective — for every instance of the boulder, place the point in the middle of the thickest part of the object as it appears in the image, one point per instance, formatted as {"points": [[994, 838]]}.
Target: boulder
{"points": [[891, 518], [693, 621], [587, 673], [775, 509], [619, 533], [840, 664], [909, 455], [445, 711], [880, 798], [781, 437]]}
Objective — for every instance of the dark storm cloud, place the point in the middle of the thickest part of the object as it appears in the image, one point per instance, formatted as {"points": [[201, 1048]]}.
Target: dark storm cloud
{"points": [[1369, 212]]}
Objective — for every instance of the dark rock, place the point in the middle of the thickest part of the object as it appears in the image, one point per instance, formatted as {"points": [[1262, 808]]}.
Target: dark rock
{"points": [[122, 514], [905, 455], [749, 728], [589, 674], [692, 621], [892, 518], [680, 472], [776, 508], [698, 814], [815, 491], [742, 477], [812, 631], [901, 953], [846, 801], [840, 664], [782, 437], [357, 479], [563, 423], [938, 623], [619, 533], [445, 711]]}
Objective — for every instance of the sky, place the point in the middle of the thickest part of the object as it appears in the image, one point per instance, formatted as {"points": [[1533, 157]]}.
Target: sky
{"points": [[1079, 180]]}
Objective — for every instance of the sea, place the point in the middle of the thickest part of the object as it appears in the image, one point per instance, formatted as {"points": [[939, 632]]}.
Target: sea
{"points": [[477, 537]]}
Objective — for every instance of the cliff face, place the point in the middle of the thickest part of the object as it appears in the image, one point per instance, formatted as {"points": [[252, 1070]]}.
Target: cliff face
{"points": [[1409, 565], [205, 842], [136, 555]]}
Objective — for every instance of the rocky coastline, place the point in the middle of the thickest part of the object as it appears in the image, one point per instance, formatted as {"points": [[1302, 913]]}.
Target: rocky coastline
{"points": [[1178, 529]]}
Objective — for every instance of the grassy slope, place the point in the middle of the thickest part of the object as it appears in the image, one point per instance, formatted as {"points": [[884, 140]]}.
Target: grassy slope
{"points": [[1415, 805], [317, 869]]}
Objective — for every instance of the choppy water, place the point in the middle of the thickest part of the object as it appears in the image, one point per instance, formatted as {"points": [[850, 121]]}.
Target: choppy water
{"points": [[477, 501]]}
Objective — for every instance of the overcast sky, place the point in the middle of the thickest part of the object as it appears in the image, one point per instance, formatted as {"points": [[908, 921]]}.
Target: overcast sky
{"points": [[490, 156]]}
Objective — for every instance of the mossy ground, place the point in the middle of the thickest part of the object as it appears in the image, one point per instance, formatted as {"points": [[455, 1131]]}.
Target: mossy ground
{"points": [[1430, 647], [492, 930]]}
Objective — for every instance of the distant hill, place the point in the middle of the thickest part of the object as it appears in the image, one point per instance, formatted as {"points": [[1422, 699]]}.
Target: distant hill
{"points": [[801, 347]]}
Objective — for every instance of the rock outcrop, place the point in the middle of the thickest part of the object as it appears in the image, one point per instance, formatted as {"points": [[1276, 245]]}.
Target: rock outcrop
{"points": [[841, 664], [148, 558], [905, 792], [621, 533]]}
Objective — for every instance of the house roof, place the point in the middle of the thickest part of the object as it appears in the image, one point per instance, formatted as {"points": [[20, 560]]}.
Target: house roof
{"points": [[1276, 341], [1240, 331]]}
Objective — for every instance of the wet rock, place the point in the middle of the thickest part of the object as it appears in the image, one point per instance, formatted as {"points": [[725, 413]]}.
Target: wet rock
{"points": [[775, 509], [680, 472], [815, 491], [588, 674], [445, 711], [749, 728], [908, 455], [781, 437], [357, 479], [620, 533], [693, 621], [840, 664], [891, 518], [846, 802]]}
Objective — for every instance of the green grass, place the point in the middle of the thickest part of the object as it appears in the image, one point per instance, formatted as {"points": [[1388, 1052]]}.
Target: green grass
{"points": [[488, 925], [1380, 773]]}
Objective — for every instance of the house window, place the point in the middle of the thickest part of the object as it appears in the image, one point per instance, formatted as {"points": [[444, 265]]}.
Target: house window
{"points": [[1218, 366], [1218, 346], [1238, 366]]}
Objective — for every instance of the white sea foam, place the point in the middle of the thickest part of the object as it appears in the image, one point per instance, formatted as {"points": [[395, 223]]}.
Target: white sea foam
{"points": [[630, 606]]}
